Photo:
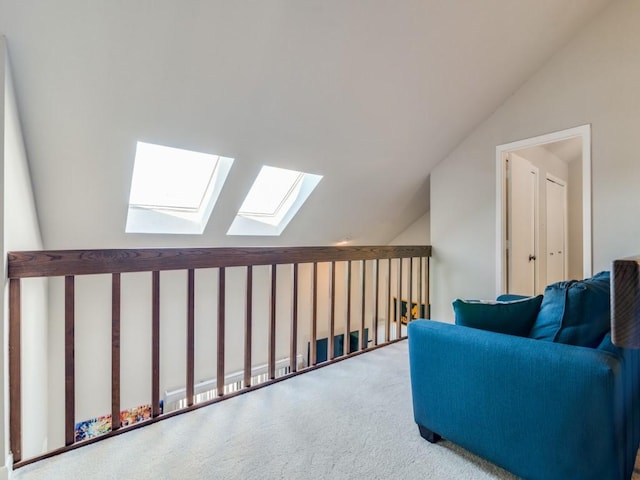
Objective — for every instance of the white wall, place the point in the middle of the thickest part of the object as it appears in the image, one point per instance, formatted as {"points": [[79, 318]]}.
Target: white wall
{"points": [[418, 233], [4, 399], [21, 231], [593, 80]]}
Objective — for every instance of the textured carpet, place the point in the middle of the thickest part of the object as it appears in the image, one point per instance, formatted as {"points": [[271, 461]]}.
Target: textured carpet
{"points": [[351, 420]]}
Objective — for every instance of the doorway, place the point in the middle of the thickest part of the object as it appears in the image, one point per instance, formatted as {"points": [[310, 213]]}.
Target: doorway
{"points": [[543, 206]]}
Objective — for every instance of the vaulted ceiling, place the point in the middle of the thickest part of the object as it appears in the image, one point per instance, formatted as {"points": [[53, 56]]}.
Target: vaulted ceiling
{"points": [[371, 94]]}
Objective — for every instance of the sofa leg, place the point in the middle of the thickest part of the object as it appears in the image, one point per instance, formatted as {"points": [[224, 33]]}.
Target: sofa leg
{"points": [[428, 435]]}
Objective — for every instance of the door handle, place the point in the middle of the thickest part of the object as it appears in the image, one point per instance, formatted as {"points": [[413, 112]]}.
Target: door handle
{"points": [[532, 257]]}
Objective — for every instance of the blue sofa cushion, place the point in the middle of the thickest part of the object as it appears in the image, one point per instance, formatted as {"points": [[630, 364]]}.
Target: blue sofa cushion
{"points": [[513, 317], [575, 312]]}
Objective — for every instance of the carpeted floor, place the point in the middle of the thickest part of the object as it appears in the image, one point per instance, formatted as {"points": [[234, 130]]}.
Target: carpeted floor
{"points": [[351, 420]]}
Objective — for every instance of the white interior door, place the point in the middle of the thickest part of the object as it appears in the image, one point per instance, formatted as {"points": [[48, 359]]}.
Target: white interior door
{"points": [[556, 233], [522, 188]]}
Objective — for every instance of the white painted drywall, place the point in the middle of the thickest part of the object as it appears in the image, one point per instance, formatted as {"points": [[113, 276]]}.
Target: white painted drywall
{"points": [[4, 402], [418, 233], [21, 231], [592, 80]]}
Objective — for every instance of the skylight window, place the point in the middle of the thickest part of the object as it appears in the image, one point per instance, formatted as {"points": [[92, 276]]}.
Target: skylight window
{"points": [[273, 200], [174, 190]]}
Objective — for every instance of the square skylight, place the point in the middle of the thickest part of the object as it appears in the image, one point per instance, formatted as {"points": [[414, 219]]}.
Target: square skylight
{"points": [[174, 190], [273, 200]]}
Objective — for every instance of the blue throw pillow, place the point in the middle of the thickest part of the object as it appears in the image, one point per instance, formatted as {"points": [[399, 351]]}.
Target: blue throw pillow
{"points": [[513, 318], [575, 312]]}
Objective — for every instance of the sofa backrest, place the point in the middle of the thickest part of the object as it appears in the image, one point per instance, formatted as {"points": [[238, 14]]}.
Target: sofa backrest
{"points": [[575, 312]]}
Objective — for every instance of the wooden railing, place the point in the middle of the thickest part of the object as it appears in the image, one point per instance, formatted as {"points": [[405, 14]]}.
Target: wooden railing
{"points": [[410, 267]]}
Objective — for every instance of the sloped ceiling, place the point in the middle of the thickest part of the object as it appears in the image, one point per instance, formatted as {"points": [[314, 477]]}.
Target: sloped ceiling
{"points": [[369, 93]]}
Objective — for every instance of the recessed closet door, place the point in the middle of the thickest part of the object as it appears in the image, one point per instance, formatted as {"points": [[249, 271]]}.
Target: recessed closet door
{"points": [[522, 189], [556, 230]]}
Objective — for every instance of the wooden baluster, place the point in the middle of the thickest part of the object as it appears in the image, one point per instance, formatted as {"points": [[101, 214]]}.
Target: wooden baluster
{"points": [[427, 274], [293, 354], [69, 360], [15, 370], [332, 314], [221, 326], [387, 324], [272, 324], [376, 299], [191, 328], [115, 351], [399, 312], [410, 299], [314, 316], [248, 316], [420, 292], [155, 344], [363, 270], [346, 349]]}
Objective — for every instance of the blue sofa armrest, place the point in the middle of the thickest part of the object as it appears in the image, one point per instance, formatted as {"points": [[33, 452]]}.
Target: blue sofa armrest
{"points": [[541, 410]]}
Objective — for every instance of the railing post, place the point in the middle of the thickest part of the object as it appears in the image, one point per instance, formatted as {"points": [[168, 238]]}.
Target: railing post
{"points": [[399, 311], [155, 343], [15, 370], [248, 317], [69, 360], [427, 287], [293, 354], [314, 316], [332, 313], [115, 351], [272, 324], [190, 336], [346, 344], [376, 299], [362, 282], [387, 325], [410, 299], [420, 292], [221, 327]]}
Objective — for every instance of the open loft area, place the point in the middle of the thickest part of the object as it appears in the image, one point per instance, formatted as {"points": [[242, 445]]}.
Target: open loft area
{"points": [[350, 166]]}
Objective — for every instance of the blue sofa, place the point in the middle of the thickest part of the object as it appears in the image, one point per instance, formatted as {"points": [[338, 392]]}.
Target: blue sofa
{"points": [[535, 402]]}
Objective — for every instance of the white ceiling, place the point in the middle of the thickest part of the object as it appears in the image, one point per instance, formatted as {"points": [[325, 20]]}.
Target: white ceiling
{"points": [[371, 94]]}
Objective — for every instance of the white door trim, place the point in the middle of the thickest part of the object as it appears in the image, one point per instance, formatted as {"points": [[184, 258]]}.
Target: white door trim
{"points": [[584, 132]]}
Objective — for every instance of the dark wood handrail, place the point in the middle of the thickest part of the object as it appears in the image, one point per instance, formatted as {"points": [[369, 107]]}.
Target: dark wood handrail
{"points": [[53, 263]]}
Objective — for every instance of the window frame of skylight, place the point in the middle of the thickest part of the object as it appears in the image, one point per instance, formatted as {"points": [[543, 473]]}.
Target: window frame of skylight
{"points": [[257, 190], [172, 219], [259, 225], [148, 153], [207, 190]]}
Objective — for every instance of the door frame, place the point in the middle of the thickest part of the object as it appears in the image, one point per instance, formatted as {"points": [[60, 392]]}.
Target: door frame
{"points": [[582, 131]]}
